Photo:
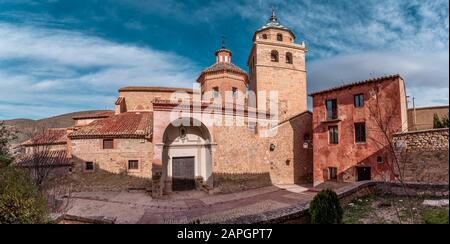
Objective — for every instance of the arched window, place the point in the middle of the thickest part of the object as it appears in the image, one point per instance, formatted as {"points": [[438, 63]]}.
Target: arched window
{"points": [[274, 56], [289, 58], [279, 37], [264, 36]]}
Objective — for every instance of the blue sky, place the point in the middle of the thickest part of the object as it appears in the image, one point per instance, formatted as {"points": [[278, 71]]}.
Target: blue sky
{"points": [[59, 56]]}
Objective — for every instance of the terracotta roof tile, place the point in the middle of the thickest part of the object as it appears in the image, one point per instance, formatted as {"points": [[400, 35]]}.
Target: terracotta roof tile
{"points": [[220, 67], [97, 115], [49, 136], [154, 89], [52, 159], [128, 125], [356, 84]]}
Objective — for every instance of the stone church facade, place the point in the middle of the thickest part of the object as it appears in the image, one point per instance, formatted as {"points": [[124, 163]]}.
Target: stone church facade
{"points": [[228, 135], [239, 130]]}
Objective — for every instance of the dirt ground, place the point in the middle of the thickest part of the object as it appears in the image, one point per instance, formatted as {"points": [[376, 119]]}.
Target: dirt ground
{"points": [[393, 210]]}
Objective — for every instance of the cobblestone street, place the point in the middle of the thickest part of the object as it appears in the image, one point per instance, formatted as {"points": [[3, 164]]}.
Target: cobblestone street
{"points": [[185, 207]]}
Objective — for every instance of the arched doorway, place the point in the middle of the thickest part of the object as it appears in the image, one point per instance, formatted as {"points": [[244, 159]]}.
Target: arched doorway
{"points": [[187, 157]]}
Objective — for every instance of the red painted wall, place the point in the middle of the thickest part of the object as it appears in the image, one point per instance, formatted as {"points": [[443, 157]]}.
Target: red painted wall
{"points": [[389, 93]]}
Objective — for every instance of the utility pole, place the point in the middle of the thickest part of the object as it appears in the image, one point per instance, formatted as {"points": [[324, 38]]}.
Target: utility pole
{"points": [[414, 113]]}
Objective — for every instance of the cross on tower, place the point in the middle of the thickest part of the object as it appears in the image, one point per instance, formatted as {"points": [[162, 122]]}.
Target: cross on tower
{"points": [[223, 42]]}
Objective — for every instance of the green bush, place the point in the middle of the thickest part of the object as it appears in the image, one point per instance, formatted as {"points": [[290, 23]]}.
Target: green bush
{"points": [[325, 208], [5, 161], [436, 216], [20, 200]]}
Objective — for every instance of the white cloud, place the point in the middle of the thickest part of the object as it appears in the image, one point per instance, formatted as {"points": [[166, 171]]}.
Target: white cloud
{"points": [[425, 73], [57, 69]]}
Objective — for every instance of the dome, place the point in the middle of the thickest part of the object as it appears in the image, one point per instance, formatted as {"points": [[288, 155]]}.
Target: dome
{"points": [[273, 23]]}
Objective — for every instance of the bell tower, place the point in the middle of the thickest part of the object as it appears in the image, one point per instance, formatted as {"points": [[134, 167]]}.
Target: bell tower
{"points": [[276, 63]]}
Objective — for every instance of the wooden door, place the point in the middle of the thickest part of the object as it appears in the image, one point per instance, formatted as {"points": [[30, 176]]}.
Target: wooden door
{"points": [[364, 173], [183, 173]]}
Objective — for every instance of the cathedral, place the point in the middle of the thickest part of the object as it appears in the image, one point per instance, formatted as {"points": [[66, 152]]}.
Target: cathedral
{"points": [[239, 130]]}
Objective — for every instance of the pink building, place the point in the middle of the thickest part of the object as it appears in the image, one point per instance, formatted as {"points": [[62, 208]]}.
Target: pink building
{"points": [[349, 142]]}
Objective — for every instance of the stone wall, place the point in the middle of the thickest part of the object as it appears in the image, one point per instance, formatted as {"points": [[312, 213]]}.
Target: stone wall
{"points": [[290, 162], [239, 153], [423, 155], [110, 165], [422, 118]]}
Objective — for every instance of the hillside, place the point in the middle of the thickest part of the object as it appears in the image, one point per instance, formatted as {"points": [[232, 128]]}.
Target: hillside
{"points": [[25, 128]]}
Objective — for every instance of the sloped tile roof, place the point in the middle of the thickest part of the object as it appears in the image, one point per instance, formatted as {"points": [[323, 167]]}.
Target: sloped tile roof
{"points": [[124, 125], [222, 67], [357, 83], [44, 158], [154, 89], [48, 137], [97, 115]]}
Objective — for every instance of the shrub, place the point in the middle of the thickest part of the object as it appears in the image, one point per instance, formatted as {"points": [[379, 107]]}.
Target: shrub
{"points": [[20, 200], [5, 161], [325, 208], [436, 216]]}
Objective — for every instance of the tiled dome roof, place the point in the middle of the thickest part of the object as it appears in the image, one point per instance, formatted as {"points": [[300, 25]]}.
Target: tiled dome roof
{"points": [[273, 23], [222, 67]]}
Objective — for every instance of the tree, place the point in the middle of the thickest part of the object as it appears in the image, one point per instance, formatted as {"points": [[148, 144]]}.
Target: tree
{"points": [[42, 158], [437, 123], [20, 200], [325, 208], [440, 122], [6, 136], [445, 121], [382, 133]]}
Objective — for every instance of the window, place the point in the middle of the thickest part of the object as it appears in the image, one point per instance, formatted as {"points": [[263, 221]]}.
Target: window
{"points": [[279, 37], [133, 164], [289, 58], [235, 90], [379, 159], [332, 171], [333, 135], [89, 166], [274, 56], [331, 105], [359, 100], [306, 137], [360, 132], [108, 144], [264, 36], [216, 92]]}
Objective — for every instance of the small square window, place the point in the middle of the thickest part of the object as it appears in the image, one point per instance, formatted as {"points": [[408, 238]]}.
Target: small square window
{"points": [[379, 159], [133, 164], [332, 171], [108, 144], [89, 166]]}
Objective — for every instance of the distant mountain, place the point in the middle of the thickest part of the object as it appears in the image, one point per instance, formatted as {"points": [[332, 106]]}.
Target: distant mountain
{"points": [[25, 128]]}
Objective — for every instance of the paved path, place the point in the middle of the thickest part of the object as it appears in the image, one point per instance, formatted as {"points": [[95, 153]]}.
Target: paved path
{"points": [[186, 207]]}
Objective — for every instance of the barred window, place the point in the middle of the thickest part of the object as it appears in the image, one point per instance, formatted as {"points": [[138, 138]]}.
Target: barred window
{"points": [[133, 164]]}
